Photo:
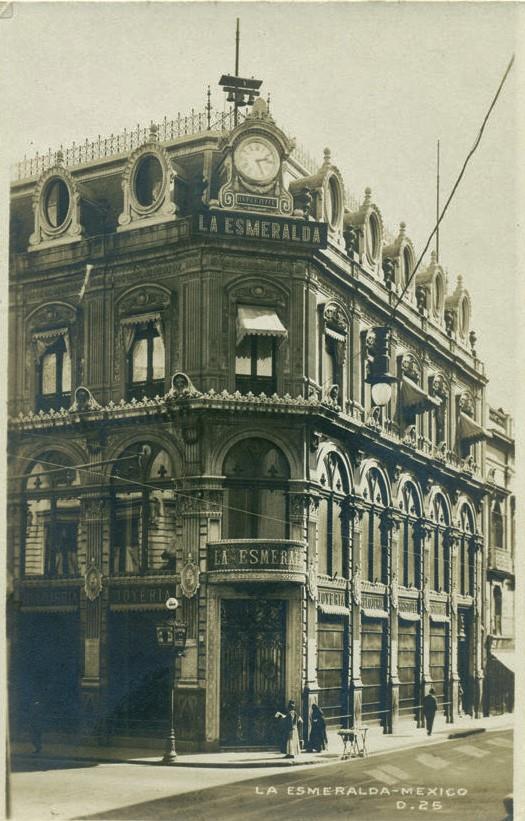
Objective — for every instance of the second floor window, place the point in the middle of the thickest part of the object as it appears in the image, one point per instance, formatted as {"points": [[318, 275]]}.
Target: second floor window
{"points": [[259, 330], [146, 360], [54, 375]]}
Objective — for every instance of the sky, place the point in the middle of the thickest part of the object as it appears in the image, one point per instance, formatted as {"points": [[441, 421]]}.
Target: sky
{"points": [[378, 83]]}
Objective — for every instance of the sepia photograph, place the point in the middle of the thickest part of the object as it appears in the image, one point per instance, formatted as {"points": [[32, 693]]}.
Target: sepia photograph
{"points": [[261, 342]]}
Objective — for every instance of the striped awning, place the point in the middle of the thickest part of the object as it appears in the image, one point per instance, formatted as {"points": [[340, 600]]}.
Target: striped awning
{"points": [[339, 337], [415, 398], [333, 609], [42, 340], [258, 322], [407, 616], [471, 431], [505, 657]]}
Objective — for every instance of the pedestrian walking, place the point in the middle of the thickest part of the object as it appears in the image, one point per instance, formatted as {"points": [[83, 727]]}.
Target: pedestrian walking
{"points": [[429, 709], [318, 740], [292, 722], [36, 722]]}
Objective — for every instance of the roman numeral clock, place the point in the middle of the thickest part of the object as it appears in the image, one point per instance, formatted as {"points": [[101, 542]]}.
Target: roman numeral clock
{"points": [[252, 167]]}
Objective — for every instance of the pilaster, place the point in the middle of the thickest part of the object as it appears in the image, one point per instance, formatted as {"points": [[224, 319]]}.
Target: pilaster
{"points": [[391, 523], [355, 685], [477, 638], [426, 533], [452, 539]]}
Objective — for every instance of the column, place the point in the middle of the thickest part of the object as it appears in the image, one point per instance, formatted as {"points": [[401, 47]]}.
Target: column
{"points": [[452, 542], [355, 685], [94, 597], [391, 526], [477, 633], [426, 534], [303, 521]]}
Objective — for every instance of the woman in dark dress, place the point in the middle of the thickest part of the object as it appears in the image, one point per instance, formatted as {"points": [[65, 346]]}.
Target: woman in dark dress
{"points": [[318, 740]]}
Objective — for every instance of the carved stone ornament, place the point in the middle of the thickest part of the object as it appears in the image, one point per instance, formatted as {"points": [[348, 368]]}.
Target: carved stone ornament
{"points": [[335, 318], [466, 403], [311, 582], [56, 208], [356, 585], [93, 582], [148, 185], [426, 598], [410, 368], [182, 387], [454, 603], [394, 591], [189, 579]]}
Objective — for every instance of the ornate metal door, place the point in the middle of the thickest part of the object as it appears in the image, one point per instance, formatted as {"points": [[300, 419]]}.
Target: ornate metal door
{"points": [[252, 670]]}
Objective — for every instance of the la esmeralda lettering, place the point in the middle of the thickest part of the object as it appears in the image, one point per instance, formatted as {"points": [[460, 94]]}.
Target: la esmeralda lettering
{"points": [[260, 228]]}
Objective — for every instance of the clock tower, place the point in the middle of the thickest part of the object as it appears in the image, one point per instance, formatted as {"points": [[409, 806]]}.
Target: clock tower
{"points": [[251, 170]]}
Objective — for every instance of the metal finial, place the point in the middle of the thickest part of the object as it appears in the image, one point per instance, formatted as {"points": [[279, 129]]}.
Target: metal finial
{"points": [[153, 131], [268, 101], [208, 108], [402, 227], [327, 156]]}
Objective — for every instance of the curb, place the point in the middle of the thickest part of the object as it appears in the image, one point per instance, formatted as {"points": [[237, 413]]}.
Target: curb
{"points": [[278, 763]]}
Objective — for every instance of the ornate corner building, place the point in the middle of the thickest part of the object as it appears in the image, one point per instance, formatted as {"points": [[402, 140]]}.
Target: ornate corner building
{"points": [[194, 309]]}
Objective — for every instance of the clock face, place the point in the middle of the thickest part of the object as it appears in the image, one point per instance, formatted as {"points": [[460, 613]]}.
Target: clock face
{"points": [[257, 159]]}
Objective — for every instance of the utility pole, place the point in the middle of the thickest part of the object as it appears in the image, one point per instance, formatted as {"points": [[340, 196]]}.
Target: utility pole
{"points": [[437, 205]]}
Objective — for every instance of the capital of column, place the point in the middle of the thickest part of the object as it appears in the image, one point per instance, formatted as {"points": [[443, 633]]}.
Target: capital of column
{"points": [[391, 520], [355, 508], [425, 528], [452, 538]]}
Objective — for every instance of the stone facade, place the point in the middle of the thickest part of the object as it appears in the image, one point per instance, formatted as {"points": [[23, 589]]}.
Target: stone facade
{"points": [[191, 328]]}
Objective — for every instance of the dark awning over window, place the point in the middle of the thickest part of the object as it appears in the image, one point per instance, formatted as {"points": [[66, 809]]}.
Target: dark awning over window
{"points": [[505, 657], [415, 398], [258, 322], [470, 431]]}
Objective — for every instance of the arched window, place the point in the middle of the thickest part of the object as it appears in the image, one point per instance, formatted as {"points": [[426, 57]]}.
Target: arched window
{"points": [[373, 534], [497, 610], [52, 517], [409, 542], [142, 511], [496, 526], [257, 475], [466, 553], [146, 359], [333, 523], [440, 577], [54, 372]]}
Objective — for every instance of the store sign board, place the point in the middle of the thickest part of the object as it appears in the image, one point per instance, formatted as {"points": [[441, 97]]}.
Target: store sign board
{"points": [[331, 597], [256, 557], [50, 597], [140, 594], [301, 233]]}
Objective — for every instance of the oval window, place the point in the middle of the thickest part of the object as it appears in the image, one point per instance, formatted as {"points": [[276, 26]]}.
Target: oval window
{"points": [[373, 237], [464, 316], [332, 207], [148, 181], [57, 203], [438, 295], [407, 264]]}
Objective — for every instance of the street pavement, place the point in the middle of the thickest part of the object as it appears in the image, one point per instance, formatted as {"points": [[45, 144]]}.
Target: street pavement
{"points": [[461, 778]]}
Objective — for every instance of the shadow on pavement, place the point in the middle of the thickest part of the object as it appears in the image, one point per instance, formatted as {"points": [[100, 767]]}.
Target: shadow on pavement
{"points": [[28, 764]]}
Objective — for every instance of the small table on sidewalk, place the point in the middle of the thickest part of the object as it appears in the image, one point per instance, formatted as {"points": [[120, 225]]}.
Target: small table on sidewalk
{"points": [[354, 742]]}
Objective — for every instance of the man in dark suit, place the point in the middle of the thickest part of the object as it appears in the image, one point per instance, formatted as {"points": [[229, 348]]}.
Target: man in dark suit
{"points": [[429, 709]]}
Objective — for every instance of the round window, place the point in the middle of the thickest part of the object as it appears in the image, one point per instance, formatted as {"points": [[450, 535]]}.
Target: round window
{"points": [[373, 238], [56, 203], [149, 178]]}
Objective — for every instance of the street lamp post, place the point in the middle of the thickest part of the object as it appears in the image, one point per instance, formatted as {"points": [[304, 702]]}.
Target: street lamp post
{"points": [[378, 376], [171, 635]]}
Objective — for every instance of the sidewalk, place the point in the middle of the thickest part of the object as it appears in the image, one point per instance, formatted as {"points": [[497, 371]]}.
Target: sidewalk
{"points": [[407, 735]]}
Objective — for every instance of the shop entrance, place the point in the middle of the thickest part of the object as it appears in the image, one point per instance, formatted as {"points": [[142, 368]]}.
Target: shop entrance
{"points": [[253, 636], [464, 646]]}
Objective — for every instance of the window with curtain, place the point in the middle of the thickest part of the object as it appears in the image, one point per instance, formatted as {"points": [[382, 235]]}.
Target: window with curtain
{"points": [[146, 358], [466, 553], [496, 526], [54, 373], [374, 553], [142, 518], [52, 515], [497, 605], [333, 525], [409, 543], [439, 573], [255, 361], [257, 475]]}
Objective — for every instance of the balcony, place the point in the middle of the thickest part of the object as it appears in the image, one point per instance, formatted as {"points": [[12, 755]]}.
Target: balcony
{"points": [[256, 560], [500, 560]]}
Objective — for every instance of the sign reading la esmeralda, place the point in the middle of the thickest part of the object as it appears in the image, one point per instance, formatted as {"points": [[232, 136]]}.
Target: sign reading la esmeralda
{"points": [[255, 557], [253, 226]]}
